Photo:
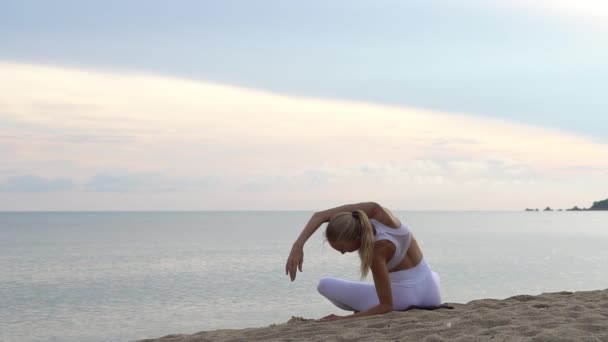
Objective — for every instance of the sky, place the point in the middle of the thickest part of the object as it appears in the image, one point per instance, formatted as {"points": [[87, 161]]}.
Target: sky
{"points": [[284, 105]]}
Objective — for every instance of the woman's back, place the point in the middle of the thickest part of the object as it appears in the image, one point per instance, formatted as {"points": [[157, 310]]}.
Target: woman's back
{"points": [[400, 237]]}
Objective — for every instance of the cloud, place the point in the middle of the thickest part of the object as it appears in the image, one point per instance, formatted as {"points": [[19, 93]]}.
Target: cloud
{"points": [[71, 138], [154, 111], [232, 146], [108, 182], [456, 171], [302, 181], [31, 184], [146, 182]]}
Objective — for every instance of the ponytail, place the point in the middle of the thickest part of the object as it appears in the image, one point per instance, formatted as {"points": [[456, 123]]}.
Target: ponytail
{"points": [[366, 251]]}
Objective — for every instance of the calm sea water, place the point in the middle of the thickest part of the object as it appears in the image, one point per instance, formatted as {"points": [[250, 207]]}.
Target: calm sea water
{"points": [[127, 276]]}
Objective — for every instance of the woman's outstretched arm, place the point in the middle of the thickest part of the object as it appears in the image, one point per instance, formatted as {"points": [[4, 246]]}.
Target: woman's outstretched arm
{"points": [[296, 257], [369, 208]]}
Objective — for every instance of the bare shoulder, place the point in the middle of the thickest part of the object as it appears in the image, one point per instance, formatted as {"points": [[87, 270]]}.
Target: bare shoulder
{"points": [[386, 217]]}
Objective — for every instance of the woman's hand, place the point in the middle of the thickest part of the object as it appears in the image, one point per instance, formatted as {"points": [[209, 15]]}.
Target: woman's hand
{"points": [[330, 318], [295, 260]]}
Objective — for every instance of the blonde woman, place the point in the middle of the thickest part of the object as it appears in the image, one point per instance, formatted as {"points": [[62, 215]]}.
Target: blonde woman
{"points": [[402, 278]]}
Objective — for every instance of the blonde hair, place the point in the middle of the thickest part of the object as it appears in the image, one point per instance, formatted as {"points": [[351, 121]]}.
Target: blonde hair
{"points": [[351, 227]]}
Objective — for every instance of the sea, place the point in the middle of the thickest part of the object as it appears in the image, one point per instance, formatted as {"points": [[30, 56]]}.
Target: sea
{"points": [[124, 276]]}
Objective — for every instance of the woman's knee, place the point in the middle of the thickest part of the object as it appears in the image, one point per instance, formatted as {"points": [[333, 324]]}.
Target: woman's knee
{"points": [[325, 285]]}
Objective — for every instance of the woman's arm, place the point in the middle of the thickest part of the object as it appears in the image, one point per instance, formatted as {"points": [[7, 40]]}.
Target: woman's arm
{"points": [[296, 257], [382, 281], [369, 208]]}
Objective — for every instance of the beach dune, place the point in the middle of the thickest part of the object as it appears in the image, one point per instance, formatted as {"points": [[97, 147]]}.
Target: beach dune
{"points": [[560, 316]]}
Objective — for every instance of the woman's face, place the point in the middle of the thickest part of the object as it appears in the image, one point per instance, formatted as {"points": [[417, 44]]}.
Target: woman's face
{"points": [[345, 247]]}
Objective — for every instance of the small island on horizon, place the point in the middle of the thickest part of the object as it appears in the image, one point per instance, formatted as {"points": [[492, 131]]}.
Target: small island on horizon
{"points": [[599, 205]]}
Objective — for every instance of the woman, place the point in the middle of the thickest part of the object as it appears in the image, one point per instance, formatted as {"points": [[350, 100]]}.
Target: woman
{"points": [[402, 278]]}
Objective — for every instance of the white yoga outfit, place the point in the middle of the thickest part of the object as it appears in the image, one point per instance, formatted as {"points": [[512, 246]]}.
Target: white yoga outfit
{"points": [[417, 286]]}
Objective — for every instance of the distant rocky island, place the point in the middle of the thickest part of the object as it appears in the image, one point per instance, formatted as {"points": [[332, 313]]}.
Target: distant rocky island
{"points": [[600, 205]]}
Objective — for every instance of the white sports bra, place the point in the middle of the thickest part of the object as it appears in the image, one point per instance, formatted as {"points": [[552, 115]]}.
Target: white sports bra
{"points": [[400, 237]]}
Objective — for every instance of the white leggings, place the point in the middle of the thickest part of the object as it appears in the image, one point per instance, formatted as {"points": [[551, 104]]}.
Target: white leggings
{"points": [[417, 286]]}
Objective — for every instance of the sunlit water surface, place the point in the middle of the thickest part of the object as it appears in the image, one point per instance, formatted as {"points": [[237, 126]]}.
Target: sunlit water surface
{"points": [[128, 276]]}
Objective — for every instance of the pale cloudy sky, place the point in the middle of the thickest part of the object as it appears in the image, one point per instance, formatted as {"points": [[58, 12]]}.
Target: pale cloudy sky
{"points": [[200, 105]]}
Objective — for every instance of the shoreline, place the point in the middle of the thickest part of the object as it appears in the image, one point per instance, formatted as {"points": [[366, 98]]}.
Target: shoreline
{"points": [[563, 316]]}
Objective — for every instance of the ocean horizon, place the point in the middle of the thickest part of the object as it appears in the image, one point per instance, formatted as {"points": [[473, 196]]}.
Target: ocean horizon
{"points": [[128, 275]]}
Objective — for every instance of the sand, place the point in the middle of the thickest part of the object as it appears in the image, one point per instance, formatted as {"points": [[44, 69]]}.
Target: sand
{"points": [[561, 316]]}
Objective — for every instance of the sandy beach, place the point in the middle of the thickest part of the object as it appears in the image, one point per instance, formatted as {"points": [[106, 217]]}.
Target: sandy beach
{"points": [[559, 316]]}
